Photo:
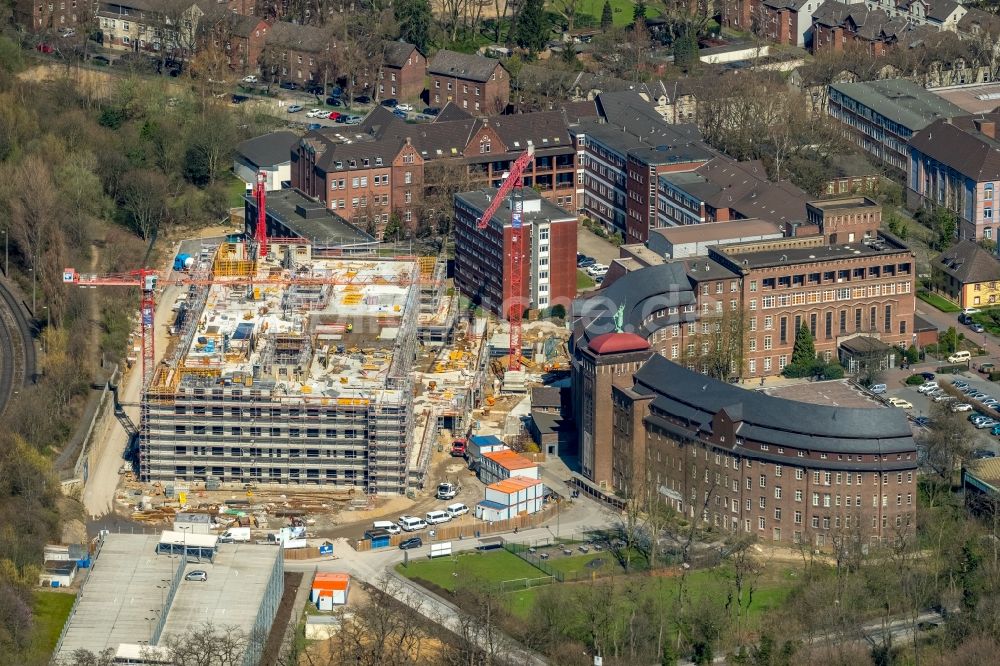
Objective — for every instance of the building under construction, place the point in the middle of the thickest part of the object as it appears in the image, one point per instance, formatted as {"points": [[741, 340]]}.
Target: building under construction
{"points": [[298, 372]]}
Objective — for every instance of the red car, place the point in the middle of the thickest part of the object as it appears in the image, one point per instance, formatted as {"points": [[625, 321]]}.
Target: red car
{"points": [[334, 115], [45, 48]]}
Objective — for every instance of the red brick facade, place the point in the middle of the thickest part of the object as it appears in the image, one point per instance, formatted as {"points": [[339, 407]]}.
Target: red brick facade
{"points": [[480, 86], [44, 16], [403, 73]]}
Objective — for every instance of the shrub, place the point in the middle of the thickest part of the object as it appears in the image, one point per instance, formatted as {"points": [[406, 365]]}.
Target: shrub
{"points": [[914, 380], [994, 376], [833, 370], [952, 369]]}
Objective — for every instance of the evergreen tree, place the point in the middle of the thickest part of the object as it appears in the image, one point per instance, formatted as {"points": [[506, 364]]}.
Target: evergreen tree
{"points": [[804, 352], [639, 11], [607, 17], [414, 18], [532, 29], [686, 49]]}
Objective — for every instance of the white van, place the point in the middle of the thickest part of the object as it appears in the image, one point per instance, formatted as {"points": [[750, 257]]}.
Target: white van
{"points": [[411, 523], [457, 509], [387, 525], [437, 516], [959, 357]]}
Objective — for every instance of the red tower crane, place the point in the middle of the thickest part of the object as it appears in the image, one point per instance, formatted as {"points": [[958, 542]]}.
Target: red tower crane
{"points": [[512, 186], [260, 197]]}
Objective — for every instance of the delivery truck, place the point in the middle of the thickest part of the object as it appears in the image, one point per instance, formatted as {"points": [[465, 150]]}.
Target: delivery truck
{"points": [[235, 535]]}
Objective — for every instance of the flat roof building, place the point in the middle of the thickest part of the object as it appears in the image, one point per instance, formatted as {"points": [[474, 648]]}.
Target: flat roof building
{"points": [[694, 240], [484, 257], [293, 215], [134, 595]]}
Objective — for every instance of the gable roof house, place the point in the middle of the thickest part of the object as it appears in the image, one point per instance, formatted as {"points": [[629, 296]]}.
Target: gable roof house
{"points": [[404, 68], [298, 53], [968, 275], [475, 83]]}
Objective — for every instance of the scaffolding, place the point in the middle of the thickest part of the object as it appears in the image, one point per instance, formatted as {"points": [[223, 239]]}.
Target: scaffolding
{"points": [[293, 385]]}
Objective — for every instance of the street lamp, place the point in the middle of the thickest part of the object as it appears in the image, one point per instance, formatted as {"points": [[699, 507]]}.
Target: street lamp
{"points": [[6, 254]]}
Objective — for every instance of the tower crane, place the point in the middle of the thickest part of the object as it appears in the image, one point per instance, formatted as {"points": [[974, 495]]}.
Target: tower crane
{"points": [[260, 229], [512, 186]]}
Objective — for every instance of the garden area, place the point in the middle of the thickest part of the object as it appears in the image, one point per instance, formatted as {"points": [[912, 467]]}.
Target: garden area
{"points": [[939, 302], [450, 573], [50, 613]]}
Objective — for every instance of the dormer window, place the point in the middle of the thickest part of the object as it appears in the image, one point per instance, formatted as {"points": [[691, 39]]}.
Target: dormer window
{"points": [[378, 161], [340, 165], [365, 161], [354, 163]]}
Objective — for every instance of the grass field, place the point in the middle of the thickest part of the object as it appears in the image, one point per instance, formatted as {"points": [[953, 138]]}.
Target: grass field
{"points": [[773, 588], [621, 10], [940, 303], [236, 188], [583, 281], [492, 567], [51, 611]]}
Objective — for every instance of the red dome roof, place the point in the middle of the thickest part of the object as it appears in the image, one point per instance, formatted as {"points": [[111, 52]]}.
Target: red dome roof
{"points": [[618, 343]]}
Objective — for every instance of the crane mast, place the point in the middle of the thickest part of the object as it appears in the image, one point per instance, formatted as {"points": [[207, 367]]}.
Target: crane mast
{"points": [[260, 229], [511, 186]]}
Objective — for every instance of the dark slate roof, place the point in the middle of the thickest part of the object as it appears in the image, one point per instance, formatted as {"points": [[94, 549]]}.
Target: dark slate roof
{"points": [[864, 344], [452, 111], [319, 224], [335, 154], [545, 129], [547, 423], [547, 396], [968, 263], [642, 293], [976, 21], [960, 145], [396, 53], [268, 149], [242, 25], [462, 66], [696, 398], [299, 37], [941, 9]]}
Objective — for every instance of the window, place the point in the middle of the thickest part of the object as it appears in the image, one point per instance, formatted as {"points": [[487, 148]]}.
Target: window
{"points": [[777, 492], [762, 502], [408, 177], [763, 481], [761, 522], [798, 495]]}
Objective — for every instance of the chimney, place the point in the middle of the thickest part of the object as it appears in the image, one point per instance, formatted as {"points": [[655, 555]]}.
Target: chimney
{"points": [[987, 127]]}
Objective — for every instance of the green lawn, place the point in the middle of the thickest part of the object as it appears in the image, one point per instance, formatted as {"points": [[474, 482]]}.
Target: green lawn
{"points": [[583, 281], [492, 567], [621, 10], [51, 611], [773, 588], [236, 188], [942, 304], [988, 322]]}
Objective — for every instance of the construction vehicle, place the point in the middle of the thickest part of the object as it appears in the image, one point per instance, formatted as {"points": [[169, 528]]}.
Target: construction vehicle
{"points": [[511, 186], [458, 448]]}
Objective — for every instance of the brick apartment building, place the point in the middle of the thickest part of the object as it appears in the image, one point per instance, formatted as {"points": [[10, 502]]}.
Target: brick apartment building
{"points": [[622, 161], [168, 27], [298, 53], [882, 116], [756, 465], [363, 181], [722, 190], [242, 37], [474, 83], [785, 21], [44, 16], [955, 163], [404, 69], [483, 256]]}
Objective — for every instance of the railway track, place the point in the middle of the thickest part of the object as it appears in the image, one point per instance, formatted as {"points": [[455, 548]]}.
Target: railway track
{"points": [[17, 349]]}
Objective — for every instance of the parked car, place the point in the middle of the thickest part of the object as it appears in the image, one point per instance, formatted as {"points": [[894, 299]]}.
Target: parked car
{"points": [[922, 421], [878, 388], [944, 397], [362, 99], [399, 114], [901, 403], [457, 509], [353, 120], [988, 423], [44, 48], [432, 111], [961, 407], [586, 262], [964, 319], [197, 575], [412, 542], [333, 115], [294, 108], [976, 328], [929, 376], [239, 99], [313, 127], [250, 79], [390, 103], [597, 269], [447, 491], [68, 32], [333, 101], [314, 89], [927, 387], [316, 113], [405, 107], [288, 85], [100, 60]]}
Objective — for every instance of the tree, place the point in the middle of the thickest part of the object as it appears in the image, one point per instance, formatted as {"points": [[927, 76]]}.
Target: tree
{"points": [[639, 11], [531, 26], [568, 9], [414, 18], [686, 50], [720, 352], [143, 201], [607, 17], [948, 441], [803, 363]]}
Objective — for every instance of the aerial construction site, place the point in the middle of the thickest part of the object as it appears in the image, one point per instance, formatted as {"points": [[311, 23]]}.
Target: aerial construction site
{"points": [[296, 369]]}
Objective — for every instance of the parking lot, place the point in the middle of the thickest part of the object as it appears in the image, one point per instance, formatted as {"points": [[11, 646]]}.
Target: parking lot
{"points": [[984, 439]]}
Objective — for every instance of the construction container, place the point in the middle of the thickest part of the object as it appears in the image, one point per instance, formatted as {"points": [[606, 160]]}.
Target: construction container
{"points": [[330, 589]]}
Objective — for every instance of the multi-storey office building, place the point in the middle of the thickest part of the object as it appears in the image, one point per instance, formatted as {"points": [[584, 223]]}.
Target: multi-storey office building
{"points": [[882, 116], [291, 384], [483, 257], [752, 464]]}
